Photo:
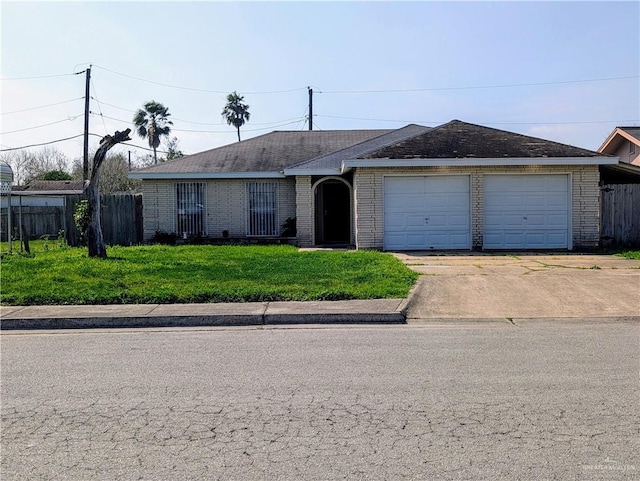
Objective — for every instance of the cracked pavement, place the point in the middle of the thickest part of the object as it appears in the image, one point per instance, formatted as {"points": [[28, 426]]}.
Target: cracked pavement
{"points": [[463, 402]]}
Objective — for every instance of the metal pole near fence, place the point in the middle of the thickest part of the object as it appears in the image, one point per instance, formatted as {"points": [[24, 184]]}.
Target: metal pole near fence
{"points": [[6, 180]]}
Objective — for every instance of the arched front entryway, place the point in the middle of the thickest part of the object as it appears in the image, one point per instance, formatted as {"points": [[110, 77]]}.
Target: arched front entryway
{"points": [[332, 212]]}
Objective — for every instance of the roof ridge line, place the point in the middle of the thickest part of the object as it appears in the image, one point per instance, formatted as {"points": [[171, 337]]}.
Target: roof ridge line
{"points": [[364, 142]]}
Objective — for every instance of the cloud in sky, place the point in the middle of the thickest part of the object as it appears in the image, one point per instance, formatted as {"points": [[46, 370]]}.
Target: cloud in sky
{"points": [[365, 61]]}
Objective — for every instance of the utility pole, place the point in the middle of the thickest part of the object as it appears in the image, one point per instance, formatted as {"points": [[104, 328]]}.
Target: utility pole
{"points": [[85, 157], [310, 108]]}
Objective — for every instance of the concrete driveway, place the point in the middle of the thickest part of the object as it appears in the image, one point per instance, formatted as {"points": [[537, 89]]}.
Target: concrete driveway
{"points": [[526, 285]]}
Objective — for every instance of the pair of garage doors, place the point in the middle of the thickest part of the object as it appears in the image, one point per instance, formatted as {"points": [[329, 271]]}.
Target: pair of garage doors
{"points": [[434, 212]]}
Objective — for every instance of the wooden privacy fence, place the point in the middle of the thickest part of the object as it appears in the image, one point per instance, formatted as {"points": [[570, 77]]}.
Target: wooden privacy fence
{"points": [[121, 218], [620, 215]]}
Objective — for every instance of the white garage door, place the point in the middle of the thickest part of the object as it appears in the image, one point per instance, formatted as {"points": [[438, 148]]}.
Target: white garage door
{"points": [[526, 211], [426, 212]]}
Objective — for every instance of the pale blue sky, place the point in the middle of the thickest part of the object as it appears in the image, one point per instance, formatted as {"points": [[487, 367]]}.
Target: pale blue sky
{"points": [[339, 48]]}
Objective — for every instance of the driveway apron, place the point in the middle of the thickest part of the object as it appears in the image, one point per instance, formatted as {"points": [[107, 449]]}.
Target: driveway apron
{"points": [[528, 285]]}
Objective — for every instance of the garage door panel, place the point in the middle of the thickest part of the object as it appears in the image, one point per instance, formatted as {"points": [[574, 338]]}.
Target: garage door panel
{"points": [[446, 184], [459, 221], [440, 221], [395, 223], [557, 201], [505, 201], [526, 211], [407, 185], [434, 214], [415, 221], [402, 202], [458, 201], [557, 239], [533, 221]]}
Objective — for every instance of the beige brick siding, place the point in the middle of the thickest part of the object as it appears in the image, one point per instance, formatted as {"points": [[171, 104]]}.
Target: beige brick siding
{"points": [[369, 200], [305, 218], [158, 207], [226, 205]]}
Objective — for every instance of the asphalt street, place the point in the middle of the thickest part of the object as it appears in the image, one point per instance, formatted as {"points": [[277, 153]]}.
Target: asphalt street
{"points": [[458, 401]]}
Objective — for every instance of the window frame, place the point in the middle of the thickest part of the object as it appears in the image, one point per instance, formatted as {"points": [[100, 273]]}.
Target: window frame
{"points": [[195, 194], [265, 226]]}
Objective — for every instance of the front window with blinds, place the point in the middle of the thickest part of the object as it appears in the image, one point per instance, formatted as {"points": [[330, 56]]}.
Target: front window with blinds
{"points": [[190, 208], [262, 204]]}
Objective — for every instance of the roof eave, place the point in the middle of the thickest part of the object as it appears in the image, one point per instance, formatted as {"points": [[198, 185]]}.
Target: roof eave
{"points": [[298, 172], [204, 175], [475, 162]]}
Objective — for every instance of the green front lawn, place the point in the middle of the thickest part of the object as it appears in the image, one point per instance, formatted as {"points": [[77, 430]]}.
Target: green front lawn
{"points": [[630, 254], [190, 273]]}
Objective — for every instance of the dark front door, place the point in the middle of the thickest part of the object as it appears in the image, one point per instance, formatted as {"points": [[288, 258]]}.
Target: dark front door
{"points": [[333, 213]]}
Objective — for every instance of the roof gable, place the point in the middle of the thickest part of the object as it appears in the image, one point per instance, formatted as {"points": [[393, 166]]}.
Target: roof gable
{"points": [[457, 139], [333, 160], [617, 137]]}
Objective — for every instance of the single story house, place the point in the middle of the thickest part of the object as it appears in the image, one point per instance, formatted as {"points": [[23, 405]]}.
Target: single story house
{"points": [[455, 186]]}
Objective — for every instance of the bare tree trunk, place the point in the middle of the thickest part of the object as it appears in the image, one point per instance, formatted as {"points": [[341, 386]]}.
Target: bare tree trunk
{"points": [[93, 234]]}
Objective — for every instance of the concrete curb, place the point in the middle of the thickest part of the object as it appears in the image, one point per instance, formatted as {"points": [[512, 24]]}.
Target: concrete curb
{"points": [[375, 311]]}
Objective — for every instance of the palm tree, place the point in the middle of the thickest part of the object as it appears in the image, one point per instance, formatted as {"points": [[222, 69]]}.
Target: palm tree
{"points": [[235, 112], [152, 123]]}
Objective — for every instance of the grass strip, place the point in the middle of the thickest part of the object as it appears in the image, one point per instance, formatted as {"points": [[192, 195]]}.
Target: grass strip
{"points": [[189, 273]]}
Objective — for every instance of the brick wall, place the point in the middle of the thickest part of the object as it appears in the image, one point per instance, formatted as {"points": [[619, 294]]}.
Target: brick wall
{"points": [[369, 200], [305, 219], [226, 205]]}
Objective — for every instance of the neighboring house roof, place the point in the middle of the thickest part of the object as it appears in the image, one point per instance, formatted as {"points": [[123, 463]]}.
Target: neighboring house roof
{"points": [[457, 139], [332, 162], [619, 135], [50, 187], [269, 153]]}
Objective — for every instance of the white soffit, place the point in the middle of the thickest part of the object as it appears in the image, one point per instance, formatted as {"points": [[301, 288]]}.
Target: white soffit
{"points": [[205, 175], [473, 162]]}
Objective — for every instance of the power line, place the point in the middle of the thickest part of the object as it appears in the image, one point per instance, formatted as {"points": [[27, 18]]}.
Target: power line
{"points": [[43, 125], [43, 143], [439, 122], [276, 124], [244, 130], [191, 121], [93, 85], [40, 77], [41, 106], [469, 87], [75, 137], [195, 89]]}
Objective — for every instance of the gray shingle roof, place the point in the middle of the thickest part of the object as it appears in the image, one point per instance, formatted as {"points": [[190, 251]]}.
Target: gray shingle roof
{"points": [[334, 160], [458, 139], [53, 185], [632, 131], [271, 152]]}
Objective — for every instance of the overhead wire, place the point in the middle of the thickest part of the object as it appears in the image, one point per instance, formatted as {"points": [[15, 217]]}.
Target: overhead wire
{"points": [[471, 87], [69, 119], [41, 106], [195, 89], [297, 121], [195, 122], [41, 144], [98, 103], [438, 122], [282, 124], [40, 77]]}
